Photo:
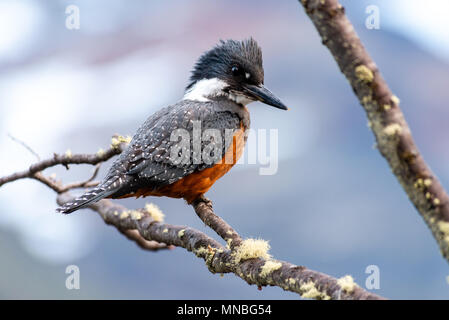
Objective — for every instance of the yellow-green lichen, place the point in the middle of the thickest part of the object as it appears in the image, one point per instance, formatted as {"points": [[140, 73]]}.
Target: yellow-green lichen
{"points": [[124, 215], [133, 214], [269, 267], [363, 73], [165, 230], [392, 129], [366, 99], [210, 256], [68, 153], [136, 215], [116, 140], [100, 152], [395, 100], [201, 251], [154, 212], [427, 182], [387, 107], [436, 201], [309, 291], [444, 227], [251, 248], [347, 283], [419, 183], [181, 233]]}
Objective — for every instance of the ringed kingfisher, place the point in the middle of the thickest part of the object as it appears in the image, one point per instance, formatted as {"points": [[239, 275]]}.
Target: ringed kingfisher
{"points": [[224, 80]]}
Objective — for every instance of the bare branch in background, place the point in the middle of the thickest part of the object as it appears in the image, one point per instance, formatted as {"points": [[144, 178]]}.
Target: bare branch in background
{"points": [[23, 144], [393, 136], [89, 183]]}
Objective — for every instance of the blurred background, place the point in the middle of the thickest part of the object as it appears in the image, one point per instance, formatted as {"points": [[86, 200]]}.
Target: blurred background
{"points": [[333, 204]]}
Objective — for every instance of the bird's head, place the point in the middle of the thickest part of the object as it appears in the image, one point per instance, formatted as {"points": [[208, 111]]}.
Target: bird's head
{"points": [[232, 69]]}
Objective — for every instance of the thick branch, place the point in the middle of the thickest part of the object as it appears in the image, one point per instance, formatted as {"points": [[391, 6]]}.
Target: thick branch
{"points": [[393, 136], [221, 259]]}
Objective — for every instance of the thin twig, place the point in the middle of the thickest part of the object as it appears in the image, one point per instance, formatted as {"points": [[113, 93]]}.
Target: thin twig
{"points": [[23, 144], [89, 183]]}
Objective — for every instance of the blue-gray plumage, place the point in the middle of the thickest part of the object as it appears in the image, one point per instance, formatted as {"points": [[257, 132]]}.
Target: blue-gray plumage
{"points": [[224, 80]]}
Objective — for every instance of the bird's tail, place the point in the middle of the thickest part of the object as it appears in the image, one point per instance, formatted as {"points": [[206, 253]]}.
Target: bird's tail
{"points": [[93, 195]]}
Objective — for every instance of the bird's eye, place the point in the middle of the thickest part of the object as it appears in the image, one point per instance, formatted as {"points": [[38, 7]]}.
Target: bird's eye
{"points": [[235, 71]]}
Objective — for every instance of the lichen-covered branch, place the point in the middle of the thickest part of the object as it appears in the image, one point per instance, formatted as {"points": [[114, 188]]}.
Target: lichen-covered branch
{"points": [[393, 136], [249, 260]]}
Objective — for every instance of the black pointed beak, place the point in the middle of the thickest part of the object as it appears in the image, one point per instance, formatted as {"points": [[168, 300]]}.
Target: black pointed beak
{"points": [[264, 95]]}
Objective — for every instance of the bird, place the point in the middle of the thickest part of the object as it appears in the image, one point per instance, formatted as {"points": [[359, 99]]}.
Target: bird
{"points": [[224, 80]]}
